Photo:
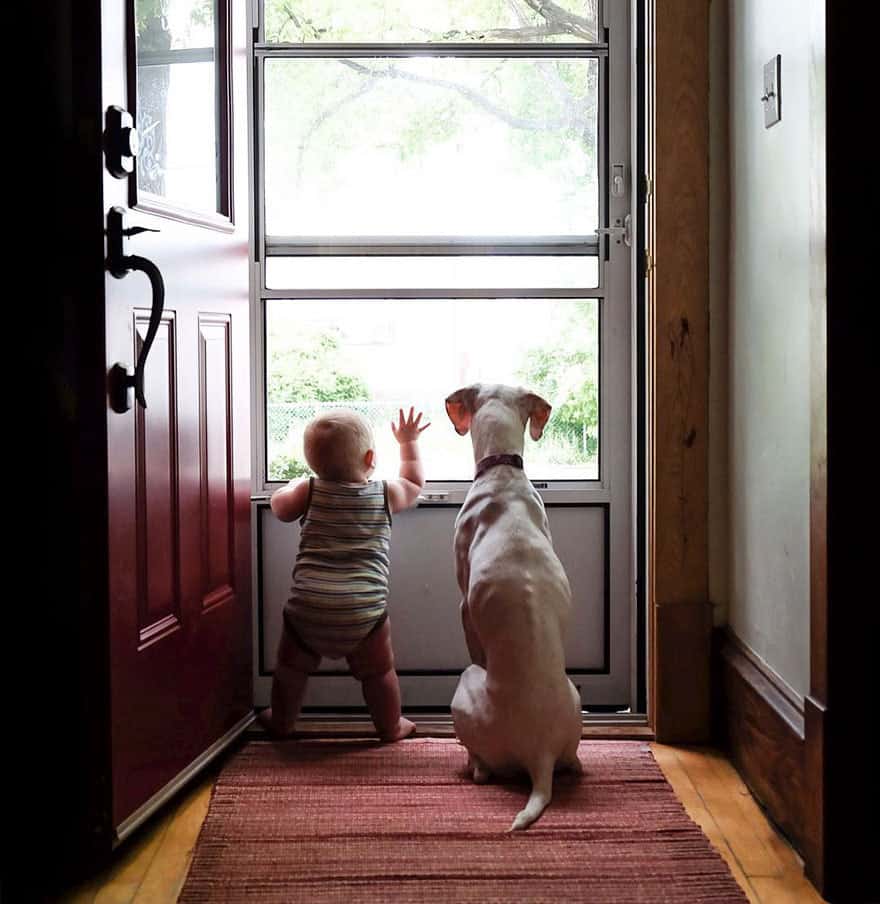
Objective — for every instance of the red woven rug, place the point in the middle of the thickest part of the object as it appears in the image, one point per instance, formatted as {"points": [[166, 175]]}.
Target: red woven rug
{"points": [[349, 821]]}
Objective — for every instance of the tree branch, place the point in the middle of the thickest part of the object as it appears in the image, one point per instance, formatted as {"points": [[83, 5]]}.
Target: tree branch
{"points": [[516, 122], [306, 29], [510, 35], [568, 22], [321, 118]]}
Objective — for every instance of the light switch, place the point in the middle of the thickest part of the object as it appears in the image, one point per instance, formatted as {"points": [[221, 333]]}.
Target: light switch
{"points": [[772, 96]]}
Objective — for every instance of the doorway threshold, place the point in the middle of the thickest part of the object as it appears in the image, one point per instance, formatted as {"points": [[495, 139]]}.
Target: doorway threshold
{"points": [[439, 725]]}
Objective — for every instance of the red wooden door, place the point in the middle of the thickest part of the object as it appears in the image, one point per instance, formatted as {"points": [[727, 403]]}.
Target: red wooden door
{"points": [[178, 469]]}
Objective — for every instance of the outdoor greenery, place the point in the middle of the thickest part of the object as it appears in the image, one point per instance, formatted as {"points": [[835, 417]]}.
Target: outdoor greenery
{"points": [[567, 373], [453, 145], [304, 367], [307, 21], [312, 368], [162, 26], [378, 146]]}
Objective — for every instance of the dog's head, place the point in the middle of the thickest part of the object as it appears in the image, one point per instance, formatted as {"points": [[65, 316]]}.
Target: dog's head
{"points": [[496, 416]]}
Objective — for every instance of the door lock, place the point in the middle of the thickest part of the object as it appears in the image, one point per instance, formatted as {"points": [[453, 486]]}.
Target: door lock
{"points": [[121, 142]]}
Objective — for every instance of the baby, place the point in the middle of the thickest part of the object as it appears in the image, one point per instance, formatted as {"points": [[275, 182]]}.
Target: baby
{"points": [[340, 580]]}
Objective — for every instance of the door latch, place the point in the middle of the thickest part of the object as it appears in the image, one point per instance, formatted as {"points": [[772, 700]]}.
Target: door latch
{"points": [[620, 232]]}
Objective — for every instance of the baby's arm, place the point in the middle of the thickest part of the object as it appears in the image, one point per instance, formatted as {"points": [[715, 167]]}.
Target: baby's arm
{"points": [[289, 502], [404, 491]]}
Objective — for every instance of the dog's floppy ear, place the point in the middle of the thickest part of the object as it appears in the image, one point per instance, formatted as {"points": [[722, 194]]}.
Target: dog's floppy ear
{"points": [[460, 408], [538, 414]]}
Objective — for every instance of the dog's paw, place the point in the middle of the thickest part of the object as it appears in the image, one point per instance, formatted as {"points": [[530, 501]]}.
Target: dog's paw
{"points": [[481, 774]]}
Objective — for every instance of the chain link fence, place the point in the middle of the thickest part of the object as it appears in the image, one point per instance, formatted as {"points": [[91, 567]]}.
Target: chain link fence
{"points": [[563, 446]]}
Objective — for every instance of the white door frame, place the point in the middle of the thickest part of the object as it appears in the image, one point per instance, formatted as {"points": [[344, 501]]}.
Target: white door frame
{"points": [[615, 489]]}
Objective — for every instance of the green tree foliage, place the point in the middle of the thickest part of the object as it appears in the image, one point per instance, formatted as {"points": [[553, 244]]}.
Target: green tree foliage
{"points": [[566, 373], [330, 121], [334, 124], [150, 21], [306, 366], [306, 21]]}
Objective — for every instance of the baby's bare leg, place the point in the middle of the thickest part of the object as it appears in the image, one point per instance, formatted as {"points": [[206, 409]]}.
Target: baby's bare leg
{"points": [[372, 663], [289, 681]]}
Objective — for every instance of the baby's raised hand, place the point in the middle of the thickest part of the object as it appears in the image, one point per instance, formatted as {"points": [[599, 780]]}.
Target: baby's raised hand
{"points": [[408, 430]]}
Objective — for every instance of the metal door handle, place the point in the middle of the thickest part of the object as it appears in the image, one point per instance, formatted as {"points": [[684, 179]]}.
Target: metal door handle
{"points": [[121, 380]]}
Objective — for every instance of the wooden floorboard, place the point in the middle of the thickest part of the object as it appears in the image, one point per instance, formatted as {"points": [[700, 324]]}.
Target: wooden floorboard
{"points": [[152, 867], [715, 797]]}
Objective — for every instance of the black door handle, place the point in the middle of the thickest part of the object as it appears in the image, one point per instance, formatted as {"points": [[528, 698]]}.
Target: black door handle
{"points": [[121, 381]]}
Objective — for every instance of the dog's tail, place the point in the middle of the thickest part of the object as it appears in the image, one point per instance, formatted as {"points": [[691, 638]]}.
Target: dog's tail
{"points": [[542, 790]]}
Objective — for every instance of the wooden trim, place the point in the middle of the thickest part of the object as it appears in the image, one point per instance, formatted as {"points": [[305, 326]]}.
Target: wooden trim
{"points": [[760, 722], [681, 675], [792, 704], [678, 362]]}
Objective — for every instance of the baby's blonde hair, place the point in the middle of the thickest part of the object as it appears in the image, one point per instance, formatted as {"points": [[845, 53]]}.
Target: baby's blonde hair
{"points": [[335, 444]]}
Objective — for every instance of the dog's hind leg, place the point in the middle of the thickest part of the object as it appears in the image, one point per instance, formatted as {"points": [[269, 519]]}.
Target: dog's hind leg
{"points": [[475, 648], [571, 764], [569, 760], [542, 790]]}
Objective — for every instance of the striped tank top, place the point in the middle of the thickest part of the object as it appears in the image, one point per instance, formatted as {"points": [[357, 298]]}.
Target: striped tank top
{"points": [[340, 580]]}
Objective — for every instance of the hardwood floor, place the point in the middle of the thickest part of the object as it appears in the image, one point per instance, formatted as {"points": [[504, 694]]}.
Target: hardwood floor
{"points": [[151, 867], [761, 860]]}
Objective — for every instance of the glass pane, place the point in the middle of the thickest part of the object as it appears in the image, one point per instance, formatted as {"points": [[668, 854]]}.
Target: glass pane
{"points": [[463, 272], [379, 356], [431, 146], [177, 102], [164, 25], [399, 21]]}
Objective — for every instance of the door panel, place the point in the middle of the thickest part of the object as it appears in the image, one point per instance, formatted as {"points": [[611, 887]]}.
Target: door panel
{"points": [[424, 600], [158, 513], [179, 527], [217, 467]]}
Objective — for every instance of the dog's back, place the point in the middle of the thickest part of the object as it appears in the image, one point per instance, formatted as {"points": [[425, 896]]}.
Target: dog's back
{"points": [[517, 591], [520, 714], [514, 708]]}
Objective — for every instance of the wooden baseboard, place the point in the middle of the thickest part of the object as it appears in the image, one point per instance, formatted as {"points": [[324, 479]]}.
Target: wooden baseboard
{"points": [[760, 722], [681, 672], [814, 804]]}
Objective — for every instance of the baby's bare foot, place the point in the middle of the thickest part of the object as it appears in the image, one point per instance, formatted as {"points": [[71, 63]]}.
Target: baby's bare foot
{"points": [[404, 729], [273, 726]]}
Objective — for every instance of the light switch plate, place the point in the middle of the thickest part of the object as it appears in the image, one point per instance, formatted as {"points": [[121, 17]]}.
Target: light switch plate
{"points": [[772, 97]]}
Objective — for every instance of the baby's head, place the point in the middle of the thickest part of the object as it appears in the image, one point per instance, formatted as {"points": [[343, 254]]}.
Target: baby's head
{"points": [[339, 446]]}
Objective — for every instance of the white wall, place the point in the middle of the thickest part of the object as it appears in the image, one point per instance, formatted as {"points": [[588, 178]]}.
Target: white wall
{"points": [[776, 262]]}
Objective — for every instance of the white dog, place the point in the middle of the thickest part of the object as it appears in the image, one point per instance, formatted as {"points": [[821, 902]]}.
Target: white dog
{"points": [[514, 709]]}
